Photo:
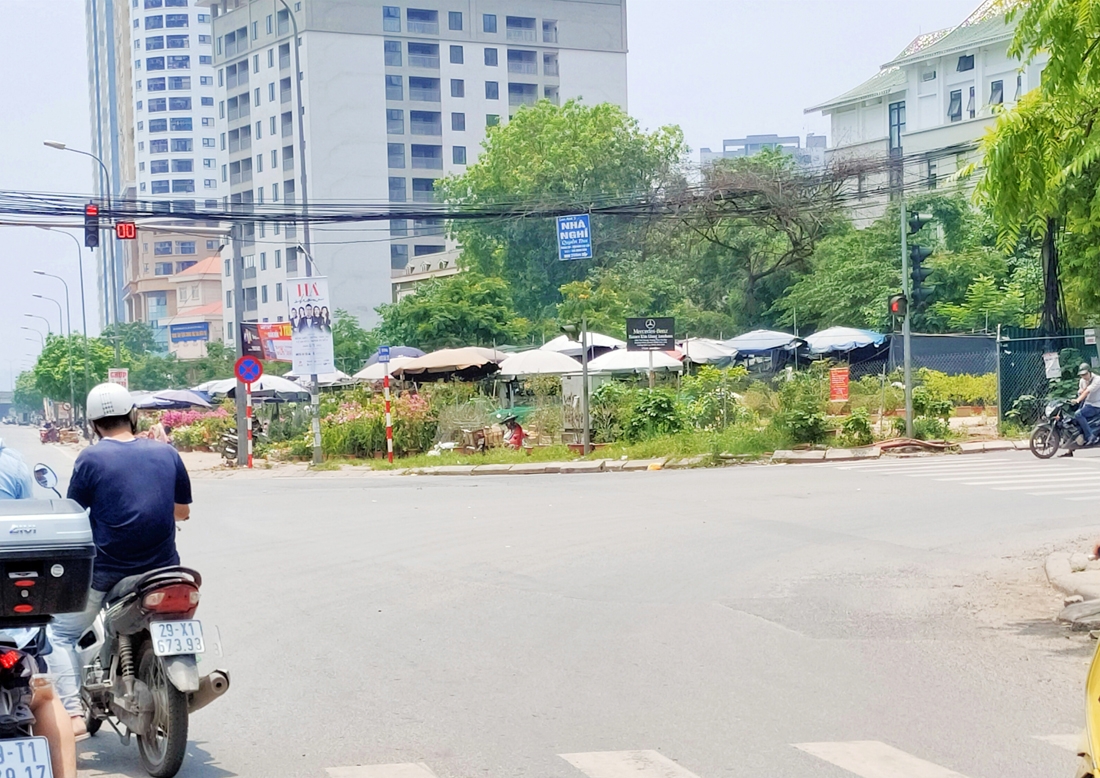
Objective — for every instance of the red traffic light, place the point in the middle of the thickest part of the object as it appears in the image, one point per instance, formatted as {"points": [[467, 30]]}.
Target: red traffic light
{"points": [[126, 231], [898, 305], [91, 209]]}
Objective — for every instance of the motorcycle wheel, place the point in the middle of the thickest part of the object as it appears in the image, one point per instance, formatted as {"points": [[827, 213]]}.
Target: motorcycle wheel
{"points": [[1044, 441], [163, 749], [91, 723]]}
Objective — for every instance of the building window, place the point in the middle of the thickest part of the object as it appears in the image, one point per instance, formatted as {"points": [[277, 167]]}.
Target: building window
{"points": [[153, 43], [454, 20], [162, 248], [458, 122], [396, 155], [157, 104], [395, 88], [162, 269], [423, 190], [997, 93], [391, 18], [492, 120], [229, 297], [183, 185], [176, 20], [491, 57], [398, 193], [459, 155], [456, 55], [399, 257], [489, 23], [263, 293], [971, 108], [204, 18], [271, 58], [179, 103], [263, 260], [206, 39], [179, 42], [158, 146], [154, 63], [278, 258], [185, 145], [154, 22], [210, 183], [392, 53], [179, 83], [279, 294], [458, 87], [183, 165], [399, 228], [156, 84], [275, 199], [955, 108], [208, 143], [492, 90], [966, 62], [395, 121], [1019, 86], [228, 268], [207, 101], [158, 166], [259, 163], [271, 92], [186, 247], [182, 125], [159, 187], [897, 125], [179, 62], [156, 125], [423, 22]]}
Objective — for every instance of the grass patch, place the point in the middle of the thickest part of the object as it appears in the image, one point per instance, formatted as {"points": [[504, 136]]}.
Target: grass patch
{"points": [[737, 440], [494, 456]]}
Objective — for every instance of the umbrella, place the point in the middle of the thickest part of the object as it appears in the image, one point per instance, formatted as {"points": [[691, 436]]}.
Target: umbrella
{"points": [[268, 385], [472, 362], [564, 345], [170, 399], [622, 361], [704, 351], [339, 378], [395, 352], [377, 371], [842, 339], [761, 341], [538, 362]]}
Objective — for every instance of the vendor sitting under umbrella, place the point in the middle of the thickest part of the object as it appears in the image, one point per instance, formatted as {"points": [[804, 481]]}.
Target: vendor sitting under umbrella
{"points": [[514, 434]]}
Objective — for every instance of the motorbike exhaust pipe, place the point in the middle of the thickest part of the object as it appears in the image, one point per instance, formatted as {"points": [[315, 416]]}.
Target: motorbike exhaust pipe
{"points": [[211, 687]]}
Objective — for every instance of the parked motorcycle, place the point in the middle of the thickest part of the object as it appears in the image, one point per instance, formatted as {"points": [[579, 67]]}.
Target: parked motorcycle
{"points": [[1058, 429]]}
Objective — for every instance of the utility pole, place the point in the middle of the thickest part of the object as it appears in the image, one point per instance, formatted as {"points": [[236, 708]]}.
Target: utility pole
{"points": [[235, 237], [905, 332], [584, 392]]}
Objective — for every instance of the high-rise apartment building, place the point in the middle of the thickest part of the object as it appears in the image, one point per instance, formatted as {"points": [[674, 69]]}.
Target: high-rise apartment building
{"points": [[394, 97], [153, 100]]}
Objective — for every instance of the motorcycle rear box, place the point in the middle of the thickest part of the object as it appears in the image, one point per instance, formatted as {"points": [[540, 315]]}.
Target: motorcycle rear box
{"points": [[46, 555]]}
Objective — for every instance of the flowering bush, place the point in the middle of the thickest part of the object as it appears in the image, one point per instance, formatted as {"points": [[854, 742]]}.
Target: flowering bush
{"points": [[357, 426], [197, 429], [176, 419]]}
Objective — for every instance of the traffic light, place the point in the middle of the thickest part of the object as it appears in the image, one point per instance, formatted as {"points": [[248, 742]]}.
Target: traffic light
{"points": [[91, 225], [126, 231], [917, 222], [898, 305], [919, 274]]}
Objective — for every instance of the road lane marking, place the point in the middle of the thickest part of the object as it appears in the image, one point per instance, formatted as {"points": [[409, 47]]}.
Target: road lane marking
{"points": [[407, 770], [1075, 480], [1069, 742], [626, 764], [979, 478], [1063, 492], [872, 759]]}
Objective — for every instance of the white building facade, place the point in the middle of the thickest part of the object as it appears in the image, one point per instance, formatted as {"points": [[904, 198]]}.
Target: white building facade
{"points": [[927, 109], [394, 97]]}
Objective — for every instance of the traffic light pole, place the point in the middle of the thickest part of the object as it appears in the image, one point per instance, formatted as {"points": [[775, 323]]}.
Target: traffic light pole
{"points": [[905, 331]]}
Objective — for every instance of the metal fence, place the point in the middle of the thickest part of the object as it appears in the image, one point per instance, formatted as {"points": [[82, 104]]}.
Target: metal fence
{"points": [[1033, 366]]}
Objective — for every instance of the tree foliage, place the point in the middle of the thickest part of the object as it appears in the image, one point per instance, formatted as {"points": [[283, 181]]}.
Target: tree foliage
{"points": [[51, 371], [351, 344], [26, 397], [467, 309]]}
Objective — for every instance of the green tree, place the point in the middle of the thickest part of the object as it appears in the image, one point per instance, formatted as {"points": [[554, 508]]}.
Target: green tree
{"points": [[51, 371], [467, 309], [26, 398], [137, 337], [351, 344], [570, 158]]}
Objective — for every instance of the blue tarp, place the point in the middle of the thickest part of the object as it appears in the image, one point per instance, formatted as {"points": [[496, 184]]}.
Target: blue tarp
{"points": [[762, 342], [842, 339]]}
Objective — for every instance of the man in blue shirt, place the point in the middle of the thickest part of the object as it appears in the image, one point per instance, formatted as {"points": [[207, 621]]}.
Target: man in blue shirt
{"points": [[15, 476], [135, 490]]}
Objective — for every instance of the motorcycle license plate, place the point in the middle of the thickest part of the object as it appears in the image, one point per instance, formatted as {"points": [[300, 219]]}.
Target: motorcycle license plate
{"points": [[25, 758], [171, 638]]}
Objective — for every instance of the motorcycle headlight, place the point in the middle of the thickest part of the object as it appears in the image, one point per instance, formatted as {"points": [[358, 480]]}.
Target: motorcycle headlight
{"points": [[1051, 408]]}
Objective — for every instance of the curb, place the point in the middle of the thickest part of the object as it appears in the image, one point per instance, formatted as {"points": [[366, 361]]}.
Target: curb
{"points": [[874, 452], [1059, 570]]}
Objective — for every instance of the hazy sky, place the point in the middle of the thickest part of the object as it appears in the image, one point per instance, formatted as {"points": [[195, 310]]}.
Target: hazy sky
{"points": [[718, 68]]}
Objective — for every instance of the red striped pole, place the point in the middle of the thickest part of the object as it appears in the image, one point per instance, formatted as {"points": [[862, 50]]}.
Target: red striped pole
{"points": [[248, 418], [389, 417]]}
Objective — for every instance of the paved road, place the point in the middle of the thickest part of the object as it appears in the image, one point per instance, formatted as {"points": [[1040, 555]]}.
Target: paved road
{"points": [[754, 621]]}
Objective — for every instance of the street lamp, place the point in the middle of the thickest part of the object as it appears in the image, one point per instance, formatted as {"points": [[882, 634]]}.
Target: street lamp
{"points": [[41, 341], [49, 330], [53, 144], [68, 346], [83, 308]]}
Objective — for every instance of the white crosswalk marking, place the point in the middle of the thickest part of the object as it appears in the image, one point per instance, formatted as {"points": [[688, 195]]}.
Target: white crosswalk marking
{"points": [[1075, 480], [872, 759], [627, 764], [382, 771], [1069, 742]]}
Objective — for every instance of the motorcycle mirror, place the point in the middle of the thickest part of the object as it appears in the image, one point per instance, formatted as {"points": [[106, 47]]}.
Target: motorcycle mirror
{"points": [[44, 476]]}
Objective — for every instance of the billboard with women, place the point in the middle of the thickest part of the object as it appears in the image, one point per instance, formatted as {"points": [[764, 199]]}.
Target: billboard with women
{"points": [[311, 325]]}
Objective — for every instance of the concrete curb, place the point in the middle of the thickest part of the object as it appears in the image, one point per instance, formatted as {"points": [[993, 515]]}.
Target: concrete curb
{"points": [[1061, 575]]}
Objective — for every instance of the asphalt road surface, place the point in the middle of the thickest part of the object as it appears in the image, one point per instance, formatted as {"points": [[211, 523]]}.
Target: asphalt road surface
{"points": [[886, 620]]}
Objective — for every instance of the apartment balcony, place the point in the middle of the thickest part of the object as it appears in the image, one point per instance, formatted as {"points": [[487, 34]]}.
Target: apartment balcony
{"points": [[424, 95], [550, 68], [521, 35], [424, 28], [526, 68], [424, 128], [288, 163], [284, 96], [427, 163], [250, 272], [284, 61], [424, 61], [423, 197]]}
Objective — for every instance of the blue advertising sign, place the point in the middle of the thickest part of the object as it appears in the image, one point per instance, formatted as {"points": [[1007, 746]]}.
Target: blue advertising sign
{"points": [[181, 333], [383, 354], [574, 237]]}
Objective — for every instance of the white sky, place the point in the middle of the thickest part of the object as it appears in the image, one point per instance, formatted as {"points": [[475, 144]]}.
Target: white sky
{"points": [[718, 68]]}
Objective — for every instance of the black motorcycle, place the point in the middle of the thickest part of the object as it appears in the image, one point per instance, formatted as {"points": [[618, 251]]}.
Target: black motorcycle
{"points": [[1058, 429]]}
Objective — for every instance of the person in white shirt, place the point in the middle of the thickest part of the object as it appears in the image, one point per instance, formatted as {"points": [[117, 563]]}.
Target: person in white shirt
{"points": [[1088, 398]]}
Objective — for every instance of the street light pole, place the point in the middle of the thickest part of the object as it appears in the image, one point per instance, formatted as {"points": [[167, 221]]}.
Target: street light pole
{"points": [[83, 306], [60, 313], [41, 340], [49, 329], [68, 349], [112, 297]]}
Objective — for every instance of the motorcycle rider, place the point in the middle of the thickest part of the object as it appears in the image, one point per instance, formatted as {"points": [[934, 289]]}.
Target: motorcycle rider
{"points": [[1088, 400], [135, 490], [15, 477]]}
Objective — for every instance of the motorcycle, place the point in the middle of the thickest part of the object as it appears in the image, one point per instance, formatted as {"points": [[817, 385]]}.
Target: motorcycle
{"points": [[49, 435], [139, 662], [1058, 429]]}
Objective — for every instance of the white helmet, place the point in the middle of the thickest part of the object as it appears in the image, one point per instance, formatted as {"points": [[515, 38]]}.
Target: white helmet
{"points": [[108, 400]]}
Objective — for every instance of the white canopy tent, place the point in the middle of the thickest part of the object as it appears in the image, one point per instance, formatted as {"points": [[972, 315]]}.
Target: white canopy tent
{"points": [[623, 361], [538, 362], [377, 371], [572, 348], [704, 351], [339, 378]]}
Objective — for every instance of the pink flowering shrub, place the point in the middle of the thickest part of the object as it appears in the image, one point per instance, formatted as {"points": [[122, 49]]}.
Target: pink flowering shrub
{"points": [[357, 426]]}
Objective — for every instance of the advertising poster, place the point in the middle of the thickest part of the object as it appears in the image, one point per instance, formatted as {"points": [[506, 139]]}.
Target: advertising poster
{"points": [[275, 340], [311, 326], [120, 376], [650, 334], [838, 384]]}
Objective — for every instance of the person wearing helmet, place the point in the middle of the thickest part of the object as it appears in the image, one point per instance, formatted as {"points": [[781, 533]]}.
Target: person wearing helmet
{"points": [[135, 490], [1088, 400]]}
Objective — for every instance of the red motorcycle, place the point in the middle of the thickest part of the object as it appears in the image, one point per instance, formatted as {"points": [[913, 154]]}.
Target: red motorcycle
{"points": [[49, 435]]}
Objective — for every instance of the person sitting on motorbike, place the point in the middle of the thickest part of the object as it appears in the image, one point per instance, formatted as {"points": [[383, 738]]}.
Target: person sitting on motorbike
{"points": [[15, 477], [135, 490], [1088, 398]]}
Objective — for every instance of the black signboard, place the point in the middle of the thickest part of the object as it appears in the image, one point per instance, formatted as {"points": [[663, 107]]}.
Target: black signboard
{"points": [[650, 334], [250, 340]]}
